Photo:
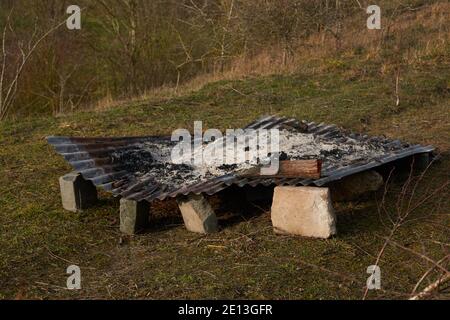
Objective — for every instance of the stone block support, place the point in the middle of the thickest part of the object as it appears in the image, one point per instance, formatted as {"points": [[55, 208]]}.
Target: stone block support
{"points": [[197, 214], [134, 216], [77, 193], [356, 186], [304, 211]]}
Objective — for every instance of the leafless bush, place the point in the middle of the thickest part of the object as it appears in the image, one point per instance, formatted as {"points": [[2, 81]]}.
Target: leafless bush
{"points": [[13, 64], [129, 47], [407, 202]]}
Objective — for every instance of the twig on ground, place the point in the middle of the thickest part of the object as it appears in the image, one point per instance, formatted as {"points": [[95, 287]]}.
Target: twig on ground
{"points": [[425, 275], [431, 288]]}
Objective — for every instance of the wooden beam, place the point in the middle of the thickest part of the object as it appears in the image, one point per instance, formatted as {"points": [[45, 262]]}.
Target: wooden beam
{"points": [[300, 169], [292, 169]]}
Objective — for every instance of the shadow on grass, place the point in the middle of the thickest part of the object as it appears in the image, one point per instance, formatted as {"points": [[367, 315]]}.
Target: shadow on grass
{"points": [[240, 204]]}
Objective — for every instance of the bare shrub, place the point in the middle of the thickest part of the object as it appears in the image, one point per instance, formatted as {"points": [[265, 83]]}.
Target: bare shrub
{"points": [[402, 212]]}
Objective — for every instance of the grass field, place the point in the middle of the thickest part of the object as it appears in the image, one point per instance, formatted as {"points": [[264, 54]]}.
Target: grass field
{"points": [[38, 239]]}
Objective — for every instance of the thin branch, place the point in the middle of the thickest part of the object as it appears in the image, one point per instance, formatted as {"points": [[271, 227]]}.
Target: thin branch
{"points": [[424, 257], [8, 98], [432, 287], [425, 275], [2, 75]]}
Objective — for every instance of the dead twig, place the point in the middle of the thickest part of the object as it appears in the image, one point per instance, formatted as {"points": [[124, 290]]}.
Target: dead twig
{"points": [[425, 275], [58, 257], [420, 255], [431, 288]]}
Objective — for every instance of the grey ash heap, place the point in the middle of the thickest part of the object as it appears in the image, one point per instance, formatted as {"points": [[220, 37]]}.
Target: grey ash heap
{"points": [[141, 168]]}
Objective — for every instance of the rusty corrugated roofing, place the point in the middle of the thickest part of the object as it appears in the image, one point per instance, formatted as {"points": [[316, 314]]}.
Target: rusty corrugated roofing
{"points": [[93, 158]]}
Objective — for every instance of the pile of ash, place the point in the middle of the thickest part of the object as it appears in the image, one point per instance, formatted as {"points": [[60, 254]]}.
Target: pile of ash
{"points": [[153, 159], [341, 150]]}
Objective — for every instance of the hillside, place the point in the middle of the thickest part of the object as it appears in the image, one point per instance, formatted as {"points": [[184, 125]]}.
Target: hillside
{"points": [[245, 259]]}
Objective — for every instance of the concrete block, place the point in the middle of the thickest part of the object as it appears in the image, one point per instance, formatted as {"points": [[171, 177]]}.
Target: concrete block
{"points": [[304, 211], [355, 186], [197, 214], [77, 193], [134, 216]]}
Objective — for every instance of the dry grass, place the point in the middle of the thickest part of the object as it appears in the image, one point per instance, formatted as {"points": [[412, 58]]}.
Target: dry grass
{"points": [[245, 259], [406, 34]]}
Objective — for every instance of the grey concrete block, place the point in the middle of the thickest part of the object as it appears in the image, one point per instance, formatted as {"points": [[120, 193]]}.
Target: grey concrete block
{"points": [[197, 214], [134, 216], [77, 193]]}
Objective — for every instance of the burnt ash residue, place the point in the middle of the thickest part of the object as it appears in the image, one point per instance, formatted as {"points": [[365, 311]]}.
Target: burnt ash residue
{"points": [[176, 175], [340, 150], [134, 160], [335, 154], [151, 161], [141, 168], [228, 167]]}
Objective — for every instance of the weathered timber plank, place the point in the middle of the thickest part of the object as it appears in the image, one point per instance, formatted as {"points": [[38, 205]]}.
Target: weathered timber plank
{"points": [[292, 169]]}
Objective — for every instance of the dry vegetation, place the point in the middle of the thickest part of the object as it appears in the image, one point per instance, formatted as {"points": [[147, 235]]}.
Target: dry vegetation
{"points": [[137, 47], [354, 79], [402, 46]]}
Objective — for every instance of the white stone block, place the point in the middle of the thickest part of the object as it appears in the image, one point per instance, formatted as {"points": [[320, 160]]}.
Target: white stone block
{"points": [[304, 211]]}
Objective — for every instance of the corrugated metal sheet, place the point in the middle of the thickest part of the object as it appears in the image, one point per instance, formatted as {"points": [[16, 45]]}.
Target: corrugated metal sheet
{"points": [[92, 158]]}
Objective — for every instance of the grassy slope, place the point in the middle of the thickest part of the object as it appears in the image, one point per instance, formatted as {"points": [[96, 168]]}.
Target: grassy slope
{"points": [[39, 240]]}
